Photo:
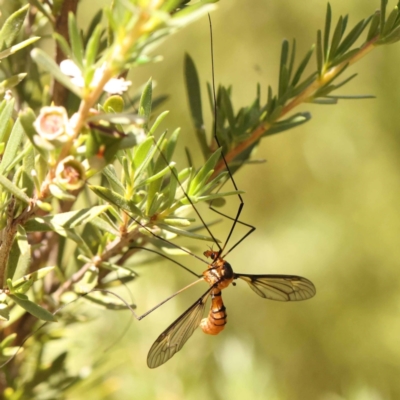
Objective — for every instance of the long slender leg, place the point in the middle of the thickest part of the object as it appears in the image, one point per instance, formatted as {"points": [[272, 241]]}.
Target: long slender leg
{"points": [[241, 204]]}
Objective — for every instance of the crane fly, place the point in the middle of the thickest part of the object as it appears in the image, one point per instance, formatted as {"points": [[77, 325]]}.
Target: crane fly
{"points": [[219, 275]]}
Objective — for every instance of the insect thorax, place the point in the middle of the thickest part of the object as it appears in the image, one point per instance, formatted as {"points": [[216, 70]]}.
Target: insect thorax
{"points": [[219, 272]]}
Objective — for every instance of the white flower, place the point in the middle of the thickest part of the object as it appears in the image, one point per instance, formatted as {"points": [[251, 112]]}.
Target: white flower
{"points": [[113, 86], [52, 125]]}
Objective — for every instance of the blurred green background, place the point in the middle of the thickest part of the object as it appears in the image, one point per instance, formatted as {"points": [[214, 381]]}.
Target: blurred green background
{"points": [[325, 205]]}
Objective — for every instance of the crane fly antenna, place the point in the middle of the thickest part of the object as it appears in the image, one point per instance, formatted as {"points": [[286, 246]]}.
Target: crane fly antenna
{"points": [[215, 124]]}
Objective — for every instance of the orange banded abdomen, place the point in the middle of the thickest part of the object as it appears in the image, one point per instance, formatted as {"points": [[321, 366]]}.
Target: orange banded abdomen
{"points": [[216, 320]]}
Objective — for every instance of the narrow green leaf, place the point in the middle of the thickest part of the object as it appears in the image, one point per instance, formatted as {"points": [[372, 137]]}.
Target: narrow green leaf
{"points": [[89, 280], [283, 72], [64, 46], [141, 155], [12, 260], [302, 67], [112, 178], [169, 149], [115, 199], [158, 175], [60, 193], [204, 171], [291, 64], [173, 184], [105, 225], [13, 146], [145, 101], [319, 53], [393, 37], [157, 122], [41, 58], [345, 81], [11, 82], [284, 90], [72, 219], [83, 247], [303, 85], [227, 108], [383, 16], [328, 21], [13, 189], [93, 46], [5, 117], [28, 161], [156, 201], [143, 158], [275, 113], [374, 27], [7, 341], [12, 27], [24, 259], [94, 23], [27, 118], [345, 57], [182, 232], [34, 276], [337, 37], [354, 97], [76, 40], [5, 314], [170, 5], [33, 308], [352, 36], [45, 10], [214, 196], [193, 91], [345, 21], [390, 21], [17, 47], [289, 123], [191, 13], [324, 101]]}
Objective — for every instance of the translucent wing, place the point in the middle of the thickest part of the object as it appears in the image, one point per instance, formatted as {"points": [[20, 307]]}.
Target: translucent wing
{"points": [[280, 287], [176, 335]]}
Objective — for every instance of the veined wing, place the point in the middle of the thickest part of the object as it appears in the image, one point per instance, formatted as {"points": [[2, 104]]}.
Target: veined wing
{"points": [[280, 287], [176, 335]]}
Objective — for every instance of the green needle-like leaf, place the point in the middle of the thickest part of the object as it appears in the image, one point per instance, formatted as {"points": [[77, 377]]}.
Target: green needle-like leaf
{"points": [[13, 189], [76, 41], [33, 308], [194, 96], [12, 27], [328, 21], [13, 146]]}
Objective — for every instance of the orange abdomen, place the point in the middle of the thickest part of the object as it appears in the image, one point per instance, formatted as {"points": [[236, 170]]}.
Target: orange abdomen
{"points": [[216, 320]]}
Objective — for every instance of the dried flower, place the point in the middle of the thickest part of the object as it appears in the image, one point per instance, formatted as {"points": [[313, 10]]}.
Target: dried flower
{"points": [[52, 125], [113, 86], [70, 174]]}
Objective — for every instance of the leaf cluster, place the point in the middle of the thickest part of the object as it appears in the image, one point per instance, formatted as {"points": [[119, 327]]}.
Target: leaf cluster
{"points": [[335, 50]]}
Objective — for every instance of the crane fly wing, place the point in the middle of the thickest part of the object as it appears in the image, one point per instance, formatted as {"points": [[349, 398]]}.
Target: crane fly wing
{"points": [[280, 287], [176, 335]]}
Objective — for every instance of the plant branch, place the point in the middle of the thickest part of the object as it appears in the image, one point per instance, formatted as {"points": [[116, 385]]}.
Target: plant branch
{"points": [[114, 248], [303, 97]]}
